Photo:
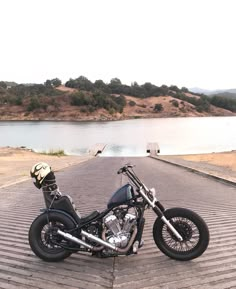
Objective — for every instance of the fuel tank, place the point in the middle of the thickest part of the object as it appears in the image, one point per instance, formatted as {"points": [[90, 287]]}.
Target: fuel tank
{"points": [[121, 196]]}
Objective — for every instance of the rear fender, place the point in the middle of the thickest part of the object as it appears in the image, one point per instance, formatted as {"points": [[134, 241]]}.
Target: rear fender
{"points": [[48, 211]]}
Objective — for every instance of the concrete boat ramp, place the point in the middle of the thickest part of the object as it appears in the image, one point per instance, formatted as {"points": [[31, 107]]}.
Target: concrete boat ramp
{"points": [[91, 184]]}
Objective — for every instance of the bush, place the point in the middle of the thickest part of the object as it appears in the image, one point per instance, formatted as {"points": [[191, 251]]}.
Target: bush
{"points": [[158, 107], [79, 99], [34, 104], [15, 100], [132, 103], [175, 103]]}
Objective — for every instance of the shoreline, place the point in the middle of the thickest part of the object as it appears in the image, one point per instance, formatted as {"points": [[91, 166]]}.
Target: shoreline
{"points": [[113, 119]]}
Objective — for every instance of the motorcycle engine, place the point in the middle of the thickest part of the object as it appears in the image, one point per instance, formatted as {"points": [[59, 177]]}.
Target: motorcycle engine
{"points": [[119, 229]]}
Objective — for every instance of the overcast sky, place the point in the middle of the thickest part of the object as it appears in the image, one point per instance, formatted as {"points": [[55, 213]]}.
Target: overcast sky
{"points": [[189, 43]]}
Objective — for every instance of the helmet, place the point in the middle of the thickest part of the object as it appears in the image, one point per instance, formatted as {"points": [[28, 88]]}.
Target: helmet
{"points": [[39, 171]]}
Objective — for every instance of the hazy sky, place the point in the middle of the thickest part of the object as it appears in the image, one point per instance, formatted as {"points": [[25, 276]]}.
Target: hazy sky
{"points": [[182, 42]]}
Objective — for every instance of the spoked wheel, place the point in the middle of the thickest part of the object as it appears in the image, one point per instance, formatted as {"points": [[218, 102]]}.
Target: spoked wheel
{"points": [[44, 240], [50, 239], [192, 229]]}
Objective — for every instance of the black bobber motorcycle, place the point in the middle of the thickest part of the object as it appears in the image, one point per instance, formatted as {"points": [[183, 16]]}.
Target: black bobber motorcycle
{"points": [[59, 231]]}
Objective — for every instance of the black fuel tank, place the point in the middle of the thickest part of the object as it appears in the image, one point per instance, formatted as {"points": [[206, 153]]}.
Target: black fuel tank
{"points": [[121, 196]]}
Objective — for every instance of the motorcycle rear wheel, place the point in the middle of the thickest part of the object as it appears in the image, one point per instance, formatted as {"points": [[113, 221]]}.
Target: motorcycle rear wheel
{"points": [[43, 239], [190, 226]]}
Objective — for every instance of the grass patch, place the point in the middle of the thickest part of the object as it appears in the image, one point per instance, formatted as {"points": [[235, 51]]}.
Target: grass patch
{"points": [[52, 152]]}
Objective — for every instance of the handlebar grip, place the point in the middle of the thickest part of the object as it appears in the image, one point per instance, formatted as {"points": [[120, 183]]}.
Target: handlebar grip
{"points": [[124, 169]]}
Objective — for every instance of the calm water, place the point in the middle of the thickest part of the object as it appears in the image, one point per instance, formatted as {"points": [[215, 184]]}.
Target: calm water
{"points": [[129, 137]]}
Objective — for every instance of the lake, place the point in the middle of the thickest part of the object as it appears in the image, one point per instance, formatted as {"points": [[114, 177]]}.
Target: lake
{"points": [[124, 138]]}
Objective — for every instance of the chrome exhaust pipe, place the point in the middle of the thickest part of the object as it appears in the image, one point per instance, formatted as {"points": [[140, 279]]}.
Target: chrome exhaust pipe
{"points": [[69, 237], [98, 240], [74, 239]]}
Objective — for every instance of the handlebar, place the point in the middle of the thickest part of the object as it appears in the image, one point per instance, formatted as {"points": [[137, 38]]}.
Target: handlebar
{"points": [[131, 175], [124, 168]]}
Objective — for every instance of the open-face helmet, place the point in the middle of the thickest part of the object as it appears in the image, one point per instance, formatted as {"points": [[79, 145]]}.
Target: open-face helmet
{"points": [[39, 171]]}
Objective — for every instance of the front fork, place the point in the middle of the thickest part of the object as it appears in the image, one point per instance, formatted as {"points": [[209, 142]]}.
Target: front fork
{"points": [[160, 213], [159, 210]]}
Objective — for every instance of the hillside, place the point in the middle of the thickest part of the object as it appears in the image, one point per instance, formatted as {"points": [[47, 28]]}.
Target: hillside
{"points": [[61, 109], [83, 100]]}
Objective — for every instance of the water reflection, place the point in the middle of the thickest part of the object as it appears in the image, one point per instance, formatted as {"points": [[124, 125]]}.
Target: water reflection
{"points": [[123, 138]]}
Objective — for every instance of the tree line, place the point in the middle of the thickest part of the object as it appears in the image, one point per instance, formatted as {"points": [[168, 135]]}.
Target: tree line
{"points": [[91, 96]]}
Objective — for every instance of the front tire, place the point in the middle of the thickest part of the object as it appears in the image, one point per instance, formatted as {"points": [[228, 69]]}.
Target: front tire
{"points": [[43, 239], [190, 226]]}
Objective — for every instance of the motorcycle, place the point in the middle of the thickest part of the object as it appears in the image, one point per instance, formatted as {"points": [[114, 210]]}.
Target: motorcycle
{"points": [[59, 230]]}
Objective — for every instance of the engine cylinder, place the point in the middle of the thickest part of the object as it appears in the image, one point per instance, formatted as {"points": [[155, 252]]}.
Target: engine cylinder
{"points": [[113, 224], [129, 221]]}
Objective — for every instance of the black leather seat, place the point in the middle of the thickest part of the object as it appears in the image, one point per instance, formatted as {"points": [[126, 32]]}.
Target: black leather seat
{"points": [[64, 204], [89, 217]]}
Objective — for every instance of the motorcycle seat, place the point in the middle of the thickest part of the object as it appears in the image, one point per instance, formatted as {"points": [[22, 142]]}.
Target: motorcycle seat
{"points": [[89, 217]]}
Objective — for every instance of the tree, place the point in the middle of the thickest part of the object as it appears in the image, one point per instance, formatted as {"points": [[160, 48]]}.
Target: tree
{"points": [[184, 89], [99, 84], [84, 84], [115, 81], [56, 82], [71, 83], [3, 84], [81, 83], [48, 83], [120, 100], [137, 90], [174, 88], [149, 89], [115, 85], [164, 88]]}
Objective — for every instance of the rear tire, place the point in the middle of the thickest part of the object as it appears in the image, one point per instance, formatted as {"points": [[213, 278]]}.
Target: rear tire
{"points": [[43, 239], [190, 226]]}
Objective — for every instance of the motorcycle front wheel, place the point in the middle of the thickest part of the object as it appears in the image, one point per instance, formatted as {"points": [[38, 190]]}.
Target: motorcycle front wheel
{"points": [[192, 229], [44, 240]]}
